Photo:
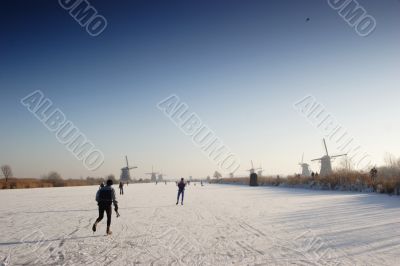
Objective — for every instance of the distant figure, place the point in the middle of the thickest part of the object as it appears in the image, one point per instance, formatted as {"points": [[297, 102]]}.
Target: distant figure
{"points": [[127, 183], [312, 174], [373, 173], [156, 182], [105, 197], [101, 185], [316, 174], [201, 182], [121, 188], [165, 182], [181, 190]]}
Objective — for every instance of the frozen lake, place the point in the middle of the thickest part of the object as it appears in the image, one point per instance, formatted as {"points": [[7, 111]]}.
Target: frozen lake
{"points": [[218, 225]]}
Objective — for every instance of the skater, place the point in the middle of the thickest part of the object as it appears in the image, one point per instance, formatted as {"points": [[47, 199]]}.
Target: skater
{"points": [[181, 190], [105, 197], [121, 188]]}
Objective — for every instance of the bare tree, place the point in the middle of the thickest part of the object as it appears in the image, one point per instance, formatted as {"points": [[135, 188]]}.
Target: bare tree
{"points": [[6, 169], [217, 175], [391, 167], [346, 164], [112, 177], [54, 176], [391, 161]]}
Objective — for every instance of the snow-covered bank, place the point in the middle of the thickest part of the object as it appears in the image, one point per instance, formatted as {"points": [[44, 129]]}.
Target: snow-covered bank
{"points": [[347, 181], [218, 225]]}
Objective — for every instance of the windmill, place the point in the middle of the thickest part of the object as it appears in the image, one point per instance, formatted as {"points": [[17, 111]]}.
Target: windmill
{"points": [[160, 177], [252, 170], [125, 175], [326, 165], [253, 175], [153, 175], [305, 170], [260, 171]]}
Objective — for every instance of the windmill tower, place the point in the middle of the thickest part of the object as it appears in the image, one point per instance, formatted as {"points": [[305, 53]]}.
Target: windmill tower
{"points": [[125, 174], [153, 175], [253, 175], [326, 164], [305, 170]]}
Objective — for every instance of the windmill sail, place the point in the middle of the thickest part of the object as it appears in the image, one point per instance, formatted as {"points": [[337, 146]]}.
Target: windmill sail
{"points": [[326, 161], [125, 173]]}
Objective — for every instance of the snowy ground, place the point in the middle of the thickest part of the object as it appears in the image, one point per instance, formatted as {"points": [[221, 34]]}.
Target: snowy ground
{"points": [[218, 225]]}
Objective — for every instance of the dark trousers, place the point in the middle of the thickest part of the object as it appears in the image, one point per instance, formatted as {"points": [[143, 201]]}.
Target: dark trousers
{"points": [[108, 210], [179, 193], [121, 191]]}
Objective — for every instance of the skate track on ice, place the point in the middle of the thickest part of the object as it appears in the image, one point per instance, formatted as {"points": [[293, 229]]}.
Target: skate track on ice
{"points": [[218, 225]]}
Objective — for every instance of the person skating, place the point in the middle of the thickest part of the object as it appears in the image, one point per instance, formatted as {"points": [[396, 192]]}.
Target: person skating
{"points": [[121, 188], [105, 197], [181, 190]]}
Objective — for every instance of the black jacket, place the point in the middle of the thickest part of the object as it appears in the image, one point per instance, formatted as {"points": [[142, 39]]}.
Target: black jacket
{"points": [[181, 186], [106, 196]]}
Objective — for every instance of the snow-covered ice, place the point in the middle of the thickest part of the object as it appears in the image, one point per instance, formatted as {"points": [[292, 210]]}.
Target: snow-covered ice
{"points": [[218, 225]]}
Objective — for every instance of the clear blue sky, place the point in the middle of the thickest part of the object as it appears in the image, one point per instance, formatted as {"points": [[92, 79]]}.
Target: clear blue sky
{"points": [[240, 65]]}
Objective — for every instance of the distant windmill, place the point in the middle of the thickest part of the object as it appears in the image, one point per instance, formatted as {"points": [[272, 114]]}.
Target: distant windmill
{"points": [[252, 170], [160, 177], [253, 176], [260, 171], [153, 175], [125, 174], [326, 165], [305, 170]]}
